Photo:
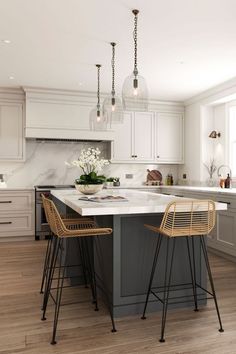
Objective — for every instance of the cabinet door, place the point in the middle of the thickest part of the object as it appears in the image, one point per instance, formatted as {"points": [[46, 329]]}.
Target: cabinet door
{"points": [[169, 137], [143, 136], [224, 234], [11, 132], [122, 145], [226, 228]]}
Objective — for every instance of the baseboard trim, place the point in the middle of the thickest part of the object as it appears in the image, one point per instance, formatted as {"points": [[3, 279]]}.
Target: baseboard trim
{"points": [[222, 254]]}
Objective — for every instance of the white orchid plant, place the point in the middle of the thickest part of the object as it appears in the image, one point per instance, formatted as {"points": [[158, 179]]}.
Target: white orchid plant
{"points": [[91, 163]]}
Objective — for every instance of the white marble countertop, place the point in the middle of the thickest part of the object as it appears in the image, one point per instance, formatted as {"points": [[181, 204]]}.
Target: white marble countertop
{"points": [[187, 188], [201, 189], [139, 202]]}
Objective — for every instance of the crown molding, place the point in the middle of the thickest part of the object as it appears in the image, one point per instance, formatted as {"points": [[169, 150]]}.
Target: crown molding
{"points": [[215, 93], [19, 93], [8, 94]]}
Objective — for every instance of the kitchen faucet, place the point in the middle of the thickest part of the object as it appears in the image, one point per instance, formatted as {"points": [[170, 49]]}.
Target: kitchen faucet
{"points": [[218, 171]]}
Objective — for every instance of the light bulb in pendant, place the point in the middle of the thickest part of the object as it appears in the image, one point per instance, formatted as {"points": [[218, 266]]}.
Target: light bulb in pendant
{"points": [[113, 104], [135, 92], [98, 116]]}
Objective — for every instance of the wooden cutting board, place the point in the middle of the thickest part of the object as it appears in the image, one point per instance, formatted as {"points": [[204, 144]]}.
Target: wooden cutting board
{"points": [[154, 175]]}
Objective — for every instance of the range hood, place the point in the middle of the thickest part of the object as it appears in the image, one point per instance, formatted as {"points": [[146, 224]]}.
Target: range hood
{"points": [[61, 115], [54, 134], [65, 140]]}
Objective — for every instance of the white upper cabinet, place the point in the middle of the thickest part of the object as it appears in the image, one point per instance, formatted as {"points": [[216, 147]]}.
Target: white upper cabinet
{"points": [[147, 137], [122, 148], [11, 131], [169, 137], [134, 138], [143, 136]]}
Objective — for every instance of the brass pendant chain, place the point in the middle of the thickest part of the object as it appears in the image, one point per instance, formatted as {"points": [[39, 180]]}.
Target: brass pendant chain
{"points": [[98, 92], [113, 69], [135, 35]]}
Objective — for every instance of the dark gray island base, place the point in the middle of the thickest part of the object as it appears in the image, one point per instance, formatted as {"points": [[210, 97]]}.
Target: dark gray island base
{"points": [[123, 261]]}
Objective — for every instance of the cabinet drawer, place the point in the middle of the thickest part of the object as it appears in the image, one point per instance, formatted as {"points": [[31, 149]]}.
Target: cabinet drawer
{"points": [[13, 201], [230, 201], [11, 225]]}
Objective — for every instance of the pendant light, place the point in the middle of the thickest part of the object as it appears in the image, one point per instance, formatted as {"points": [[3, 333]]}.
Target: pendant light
{"points": [[113, 104], [135, 92], [98, 116]]}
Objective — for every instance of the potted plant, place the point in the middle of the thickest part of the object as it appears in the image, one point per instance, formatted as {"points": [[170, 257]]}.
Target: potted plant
{"points": [[116, 182], [91, 163], [211, 169], [109, 181]]}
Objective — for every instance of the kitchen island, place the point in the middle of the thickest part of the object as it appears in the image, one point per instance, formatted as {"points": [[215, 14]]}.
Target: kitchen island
{"points": [[124, 261]]}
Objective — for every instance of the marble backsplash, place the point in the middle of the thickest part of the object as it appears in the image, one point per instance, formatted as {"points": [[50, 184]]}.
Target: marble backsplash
{"points": [[45, 164]]}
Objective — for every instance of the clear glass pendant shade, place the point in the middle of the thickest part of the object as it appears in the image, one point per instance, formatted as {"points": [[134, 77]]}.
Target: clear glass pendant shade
{"points": [[135, 93], [98, 119], [113, 106]]}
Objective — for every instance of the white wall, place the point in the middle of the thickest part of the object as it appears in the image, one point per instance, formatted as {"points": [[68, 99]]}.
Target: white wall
{"points": [[192, 144], [203, 112], [220, 124]]}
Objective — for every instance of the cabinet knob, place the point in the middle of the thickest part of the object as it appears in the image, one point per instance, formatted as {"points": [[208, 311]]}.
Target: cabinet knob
{"points": [[158, 156]]}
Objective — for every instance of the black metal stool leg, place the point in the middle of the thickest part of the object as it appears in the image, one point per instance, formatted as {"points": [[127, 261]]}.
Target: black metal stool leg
{"points": [[193, 279], [158, 246], [204, 249], [46, 263], [166, 288], [194, 262], [105, 290], [50, 275], [90, 265], [83, 263], [60, 282]]}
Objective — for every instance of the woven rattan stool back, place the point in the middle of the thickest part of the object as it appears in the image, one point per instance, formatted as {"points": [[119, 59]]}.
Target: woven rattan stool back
{"points": [[188, 218]]}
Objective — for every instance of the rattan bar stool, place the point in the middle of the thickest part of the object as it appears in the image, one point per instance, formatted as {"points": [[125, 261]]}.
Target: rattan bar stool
{"points": [[188, 219], [84, 231], [68, 220]]}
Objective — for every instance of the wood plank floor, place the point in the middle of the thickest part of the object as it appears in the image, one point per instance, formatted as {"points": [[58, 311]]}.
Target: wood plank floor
{"points": [[81, 330]]}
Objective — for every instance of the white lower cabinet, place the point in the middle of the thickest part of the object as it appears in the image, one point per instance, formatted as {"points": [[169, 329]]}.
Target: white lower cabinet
{"points": [[16, 213], [223, 236]]}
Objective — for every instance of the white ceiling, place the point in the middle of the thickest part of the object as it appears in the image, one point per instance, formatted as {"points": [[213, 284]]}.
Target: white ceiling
{"points": [[185, 46]]}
